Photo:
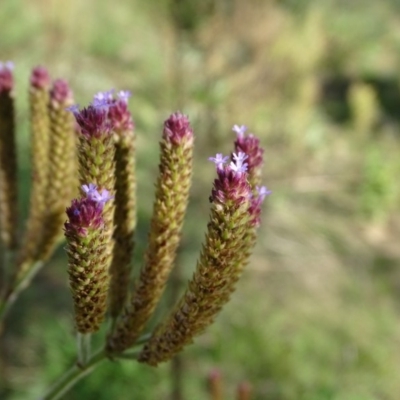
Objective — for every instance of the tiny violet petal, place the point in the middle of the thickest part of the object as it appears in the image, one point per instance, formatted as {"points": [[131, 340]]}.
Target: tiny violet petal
{"points": [[263, 192], [238, 165], [124, 95], [103, 99], [102, 197], [239, 130], [219, 160], [74, 109], [89, 189]]}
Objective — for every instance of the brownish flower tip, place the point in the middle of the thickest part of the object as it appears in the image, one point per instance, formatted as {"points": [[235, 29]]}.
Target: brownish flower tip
{"points": [[61, 92], [177, 128], [40, 78]]}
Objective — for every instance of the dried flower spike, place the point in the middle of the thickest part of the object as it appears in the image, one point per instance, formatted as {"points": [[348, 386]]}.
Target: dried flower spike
{"points": [[40, 140], [88, 262], [216, 273], [172, 191], [8, 159], [62, 149]]}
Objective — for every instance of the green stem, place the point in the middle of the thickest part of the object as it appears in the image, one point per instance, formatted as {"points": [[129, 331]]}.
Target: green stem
{"points": [[77, 372], [84, 347], [72, 376], [21, 285]]}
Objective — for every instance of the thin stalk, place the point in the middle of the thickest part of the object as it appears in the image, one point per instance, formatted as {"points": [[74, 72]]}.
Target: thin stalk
{"points": [[74, 375], [84, 347], [13, 294]]}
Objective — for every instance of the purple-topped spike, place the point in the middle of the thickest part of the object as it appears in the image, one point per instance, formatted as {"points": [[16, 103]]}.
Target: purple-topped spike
{"points": [[61, 92], [177, 128], [40, 78], [92, 121]]}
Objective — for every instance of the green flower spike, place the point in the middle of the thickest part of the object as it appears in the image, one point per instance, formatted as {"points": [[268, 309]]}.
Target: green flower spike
{"points": [[8, 159], [250, 146], [172, 192], [96, 153], [232, 215], [40, 140], [62, 144], [125, 198], [88, 258]]}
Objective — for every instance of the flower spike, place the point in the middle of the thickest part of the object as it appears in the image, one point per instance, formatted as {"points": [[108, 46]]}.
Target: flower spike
{"points": [[215, 275], [88, 262], [39, 97], [172, 192], [8, 159], [61, 175]]}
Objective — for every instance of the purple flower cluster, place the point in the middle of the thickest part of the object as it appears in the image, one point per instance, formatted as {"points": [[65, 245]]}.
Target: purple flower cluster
{"points": [[177, 128], [86, 213], [6, 76], [40, 78], [106, 113], [231, 183]]}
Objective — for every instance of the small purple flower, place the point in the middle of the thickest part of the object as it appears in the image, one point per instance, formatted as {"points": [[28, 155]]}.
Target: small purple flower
{"points": [[238, 165], [103, 99], [177, 128], [262, 192], [74, 108], [124, 95], [92, 193], [240, 130], [83, 215], [102, 197], [89, 189], [219, 160]]}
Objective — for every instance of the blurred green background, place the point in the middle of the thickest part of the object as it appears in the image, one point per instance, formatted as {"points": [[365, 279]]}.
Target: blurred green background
{"points": [[317, 313]]}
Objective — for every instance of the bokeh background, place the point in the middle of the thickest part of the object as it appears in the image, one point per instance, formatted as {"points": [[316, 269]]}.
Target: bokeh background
{"points": [[316, 315]]}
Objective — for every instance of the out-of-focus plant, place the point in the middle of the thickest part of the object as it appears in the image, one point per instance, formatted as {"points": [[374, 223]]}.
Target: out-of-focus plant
{"points": [[364, 107], [378, 188], [101, 221], [215, 385]]}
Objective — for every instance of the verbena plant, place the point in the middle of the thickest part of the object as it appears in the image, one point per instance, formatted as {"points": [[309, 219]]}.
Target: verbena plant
{"points": [[84, 189]]}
